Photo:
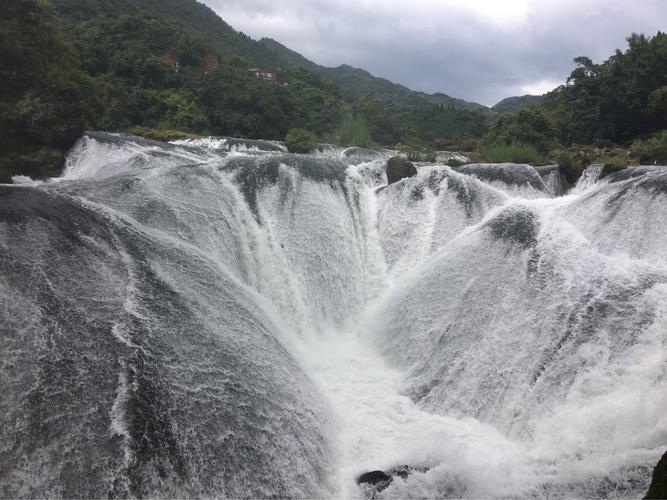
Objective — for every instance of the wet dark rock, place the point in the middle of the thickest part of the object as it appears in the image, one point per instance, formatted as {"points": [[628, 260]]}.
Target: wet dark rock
{"points": [[649, 179], [255, 173], [507, 173], [234, 143], [403, 471], [454, 162], [634, 172], [377, 480], [554, 179], [658, 488], [517, 225], [399, 168], [361, 154]]}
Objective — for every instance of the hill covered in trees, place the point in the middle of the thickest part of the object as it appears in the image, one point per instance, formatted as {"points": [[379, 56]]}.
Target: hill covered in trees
{"points": [[128, 65], [618, 107], [511, 104], [199, 19], [173, 64], [356, 83]]}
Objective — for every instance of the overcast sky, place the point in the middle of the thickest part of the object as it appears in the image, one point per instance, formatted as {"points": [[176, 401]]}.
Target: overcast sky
{"points": [[478, 50]]}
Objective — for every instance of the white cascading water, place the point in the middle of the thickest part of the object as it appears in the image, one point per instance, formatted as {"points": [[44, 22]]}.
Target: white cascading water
{"points": [[232, 320]]}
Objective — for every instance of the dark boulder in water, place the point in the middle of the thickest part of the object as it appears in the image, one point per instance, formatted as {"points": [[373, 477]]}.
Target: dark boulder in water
{"points": [[377, 480], [507, 173], [634, 172], [399, 168], [361, 154], [658, 488], [518, 225], [554, 178], [403, 471]]}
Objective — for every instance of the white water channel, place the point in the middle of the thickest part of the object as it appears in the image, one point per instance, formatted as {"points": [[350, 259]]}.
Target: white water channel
{"points": [[299, 324]]}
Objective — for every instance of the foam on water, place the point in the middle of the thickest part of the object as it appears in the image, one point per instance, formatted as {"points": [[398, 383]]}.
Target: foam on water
{"points": [[233, 320]]}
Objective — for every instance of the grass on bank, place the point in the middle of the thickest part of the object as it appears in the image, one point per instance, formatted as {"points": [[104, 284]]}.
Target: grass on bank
{"points": [[163, 135], [299, 140], [509, 153]]}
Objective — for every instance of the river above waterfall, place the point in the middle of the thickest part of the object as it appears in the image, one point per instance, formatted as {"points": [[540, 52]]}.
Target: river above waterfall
{"points": [[222, 318]]}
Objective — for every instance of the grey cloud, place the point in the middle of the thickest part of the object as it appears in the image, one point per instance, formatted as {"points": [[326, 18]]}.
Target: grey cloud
{"points": [[479, 50]]}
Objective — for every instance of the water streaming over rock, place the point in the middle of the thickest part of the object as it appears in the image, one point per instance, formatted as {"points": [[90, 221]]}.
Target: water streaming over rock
{"points": [[219, 317]]}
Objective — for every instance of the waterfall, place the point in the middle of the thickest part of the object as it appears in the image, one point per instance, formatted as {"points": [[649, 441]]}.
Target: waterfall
{"points": [[218, 317]]}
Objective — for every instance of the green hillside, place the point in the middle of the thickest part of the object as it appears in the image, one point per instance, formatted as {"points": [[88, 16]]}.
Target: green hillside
{"points": [[201, 20], [175, 67], [356, 83], [511, 104]]}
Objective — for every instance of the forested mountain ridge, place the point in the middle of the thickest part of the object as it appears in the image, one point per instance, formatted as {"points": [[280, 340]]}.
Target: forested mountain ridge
{"points": [[612, 112], [356, 82], [121, 64], [191, 15], [71, 65], [515, 103], [203, 21]]}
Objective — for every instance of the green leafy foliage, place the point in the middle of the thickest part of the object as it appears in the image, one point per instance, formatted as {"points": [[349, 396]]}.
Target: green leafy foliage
{"points": [[353, 131], [650, 150], [621, 100], [299, 140], [123, 64], [161, 134], [526, 126], [572, 165], [617, 100], [45, 98], [510, 153]]}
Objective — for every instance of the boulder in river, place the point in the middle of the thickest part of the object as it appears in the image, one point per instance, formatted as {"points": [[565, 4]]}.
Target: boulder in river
{"points": [[658, 488], [399, 168], [376, 481]]}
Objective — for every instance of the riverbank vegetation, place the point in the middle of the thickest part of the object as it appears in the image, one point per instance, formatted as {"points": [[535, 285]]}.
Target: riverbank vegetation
{"points": [[618, 108], [102, 66]]}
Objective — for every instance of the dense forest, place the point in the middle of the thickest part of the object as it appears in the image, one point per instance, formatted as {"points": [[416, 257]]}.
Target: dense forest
{"points": [[619, 102], [96, 64], [164, 66]]}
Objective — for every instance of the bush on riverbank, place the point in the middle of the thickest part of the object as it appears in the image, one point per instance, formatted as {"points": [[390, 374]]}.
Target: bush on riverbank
{"points": [[161, 134], [509, 153], [352, 132], [299, 140]]}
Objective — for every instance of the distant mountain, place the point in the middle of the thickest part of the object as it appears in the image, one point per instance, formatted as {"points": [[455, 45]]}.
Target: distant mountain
{"points": [[511, 104], [356, 82], [198, 18], [191, 15]]}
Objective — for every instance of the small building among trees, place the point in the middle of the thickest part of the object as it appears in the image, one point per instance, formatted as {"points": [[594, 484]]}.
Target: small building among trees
{"points": [[264, 74], [170, 59], [210, 63]]}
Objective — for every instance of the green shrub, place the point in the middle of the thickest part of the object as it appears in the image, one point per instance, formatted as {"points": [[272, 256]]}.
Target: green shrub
{"points": [[299, 140], [417, 151], [353, 131], [37, 162], [464, 143], [526, 127], [572, 167], [453, 162], [160, 134], [651, 150], [614, 163], [510, 153]]}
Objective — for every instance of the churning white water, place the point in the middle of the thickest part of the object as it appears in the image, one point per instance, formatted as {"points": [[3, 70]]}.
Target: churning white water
{"points": [[221, 318]]}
